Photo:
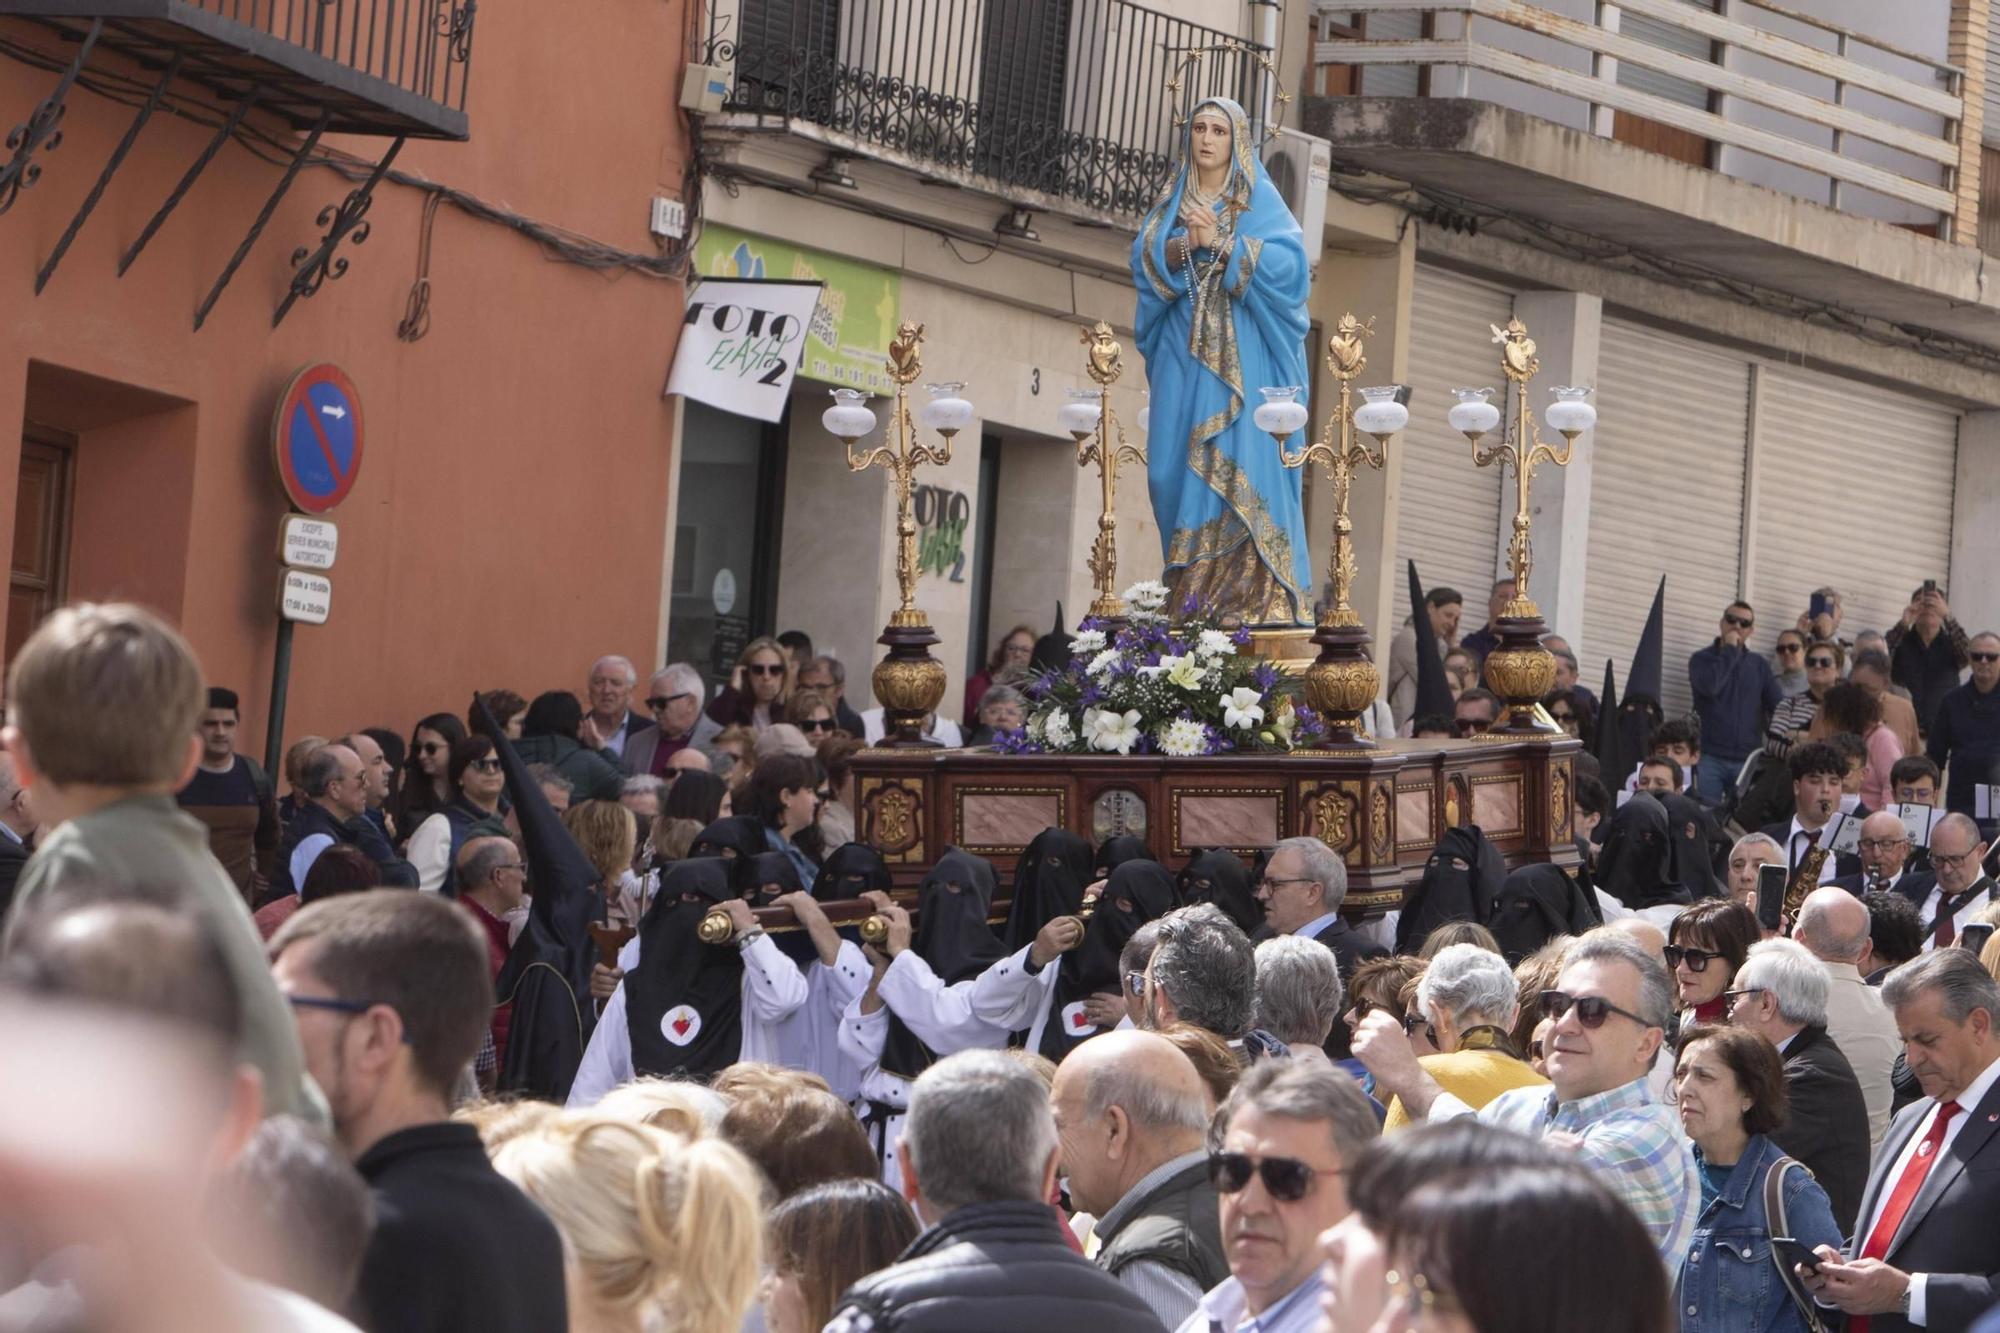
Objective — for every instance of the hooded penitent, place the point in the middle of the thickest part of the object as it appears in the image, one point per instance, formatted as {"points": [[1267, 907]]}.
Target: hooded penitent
{"points": [[770, 877], [1637, 864], [1692, 835], [1219, 876], [1433, 690], [547, 973], [1611, 757], [1116, 851], [1459, 883], [1641, 709], [1537, 903], [684, 1001], [736, 840], [853, 868], [1052, 649], [1139, 891], [953, 937], [1049, 881]]}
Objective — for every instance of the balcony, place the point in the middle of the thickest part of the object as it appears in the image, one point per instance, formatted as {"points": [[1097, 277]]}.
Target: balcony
{"points": [[1759, 145], [375, 67], [1058, 105], [393, 69]]}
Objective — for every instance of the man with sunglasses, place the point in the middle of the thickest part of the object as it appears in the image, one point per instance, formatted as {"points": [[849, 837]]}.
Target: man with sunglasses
{"points": [[1279, 1151], [1965, 733], [335, 785], [1609, 1009], [673, 697], [1734, 694]]}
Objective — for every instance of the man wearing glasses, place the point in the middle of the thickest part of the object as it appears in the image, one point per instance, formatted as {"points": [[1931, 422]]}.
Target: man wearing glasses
{"points": [[1965, 734], [1304, 884], [1885, 861], [1734, 694], [673, 697], [1962, 888], [1609, 1013], [1279, 1150]]}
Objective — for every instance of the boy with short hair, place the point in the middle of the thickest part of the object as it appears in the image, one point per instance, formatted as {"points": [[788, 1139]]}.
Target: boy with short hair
{"points": [[103, 700]]}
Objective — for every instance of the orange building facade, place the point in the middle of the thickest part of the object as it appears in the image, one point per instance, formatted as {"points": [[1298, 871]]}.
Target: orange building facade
{"points": [[509, 523]]}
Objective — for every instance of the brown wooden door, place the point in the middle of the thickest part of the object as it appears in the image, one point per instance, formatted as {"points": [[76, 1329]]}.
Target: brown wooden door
{"points": [[37, 578]]}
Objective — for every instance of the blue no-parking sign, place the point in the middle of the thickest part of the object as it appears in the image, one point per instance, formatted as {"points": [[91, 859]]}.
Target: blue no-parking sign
{"points": [[317, 436]]}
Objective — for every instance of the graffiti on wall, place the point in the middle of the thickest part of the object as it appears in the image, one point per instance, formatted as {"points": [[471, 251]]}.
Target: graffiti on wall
{"points": [[943, 519]]}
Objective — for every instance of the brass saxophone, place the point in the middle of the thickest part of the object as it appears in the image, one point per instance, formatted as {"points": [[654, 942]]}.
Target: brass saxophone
{"points": [[1804, 880]]}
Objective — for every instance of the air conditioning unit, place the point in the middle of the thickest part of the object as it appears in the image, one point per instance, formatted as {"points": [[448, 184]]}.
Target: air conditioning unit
{"points": [[704, 89], [1300, 166]]}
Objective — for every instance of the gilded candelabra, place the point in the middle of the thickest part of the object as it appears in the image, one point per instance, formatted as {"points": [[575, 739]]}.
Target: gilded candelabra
{"points": [[1521, 670], [1089, 418], [1342, 682], [908, 681]]}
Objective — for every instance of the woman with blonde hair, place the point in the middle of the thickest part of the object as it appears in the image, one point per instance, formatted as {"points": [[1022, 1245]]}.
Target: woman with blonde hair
{"points": [[661, 1233], [606, 833], [759, 688]]}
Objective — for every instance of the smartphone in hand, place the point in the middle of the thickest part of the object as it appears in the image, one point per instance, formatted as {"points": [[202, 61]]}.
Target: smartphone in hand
{"points": [[1974, 936], [1772, 881], [1795, 1254]]}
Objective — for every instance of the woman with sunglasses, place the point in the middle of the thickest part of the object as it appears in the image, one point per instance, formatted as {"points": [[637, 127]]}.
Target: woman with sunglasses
{"points": [[1792, 719], [1467, 1001], [1574, 713], [474, 809], [426, 787], [1731, 1092], [812, 713], [759, 688], [1788, 662], [1705, 946]]}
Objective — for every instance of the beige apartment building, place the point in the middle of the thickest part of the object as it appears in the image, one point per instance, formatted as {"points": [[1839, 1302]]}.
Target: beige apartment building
{"points": [[1758, 232]]}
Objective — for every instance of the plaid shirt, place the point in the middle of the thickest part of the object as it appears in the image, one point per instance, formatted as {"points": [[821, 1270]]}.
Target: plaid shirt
{"points": [[1630, 1141]]}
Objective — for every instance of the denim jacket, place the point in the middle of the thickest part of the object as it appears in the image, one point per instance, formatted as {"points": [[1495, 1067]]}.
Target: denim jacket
{"points": [[1728, 1283]]}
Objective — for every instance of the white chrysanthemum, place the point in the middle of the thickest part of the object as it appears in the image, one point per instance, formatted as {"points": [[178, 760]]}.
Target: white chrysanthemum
{"points": [[1149, 595], [1057, 731], [1214, 643], [1183, 736], [1111, 731], [1085, 642], [1242, 707], [1101, 663]]}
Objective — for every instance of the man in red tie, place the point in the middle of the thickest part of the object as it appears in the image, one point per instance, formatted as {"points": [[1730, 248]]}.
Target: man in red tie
{"points": [[1926, 1252]]}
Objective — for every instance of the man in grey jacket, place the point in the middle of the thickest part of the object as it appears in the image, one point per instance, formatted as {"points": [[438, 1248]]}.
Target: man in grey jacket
{"points": [[1130, 1114]]}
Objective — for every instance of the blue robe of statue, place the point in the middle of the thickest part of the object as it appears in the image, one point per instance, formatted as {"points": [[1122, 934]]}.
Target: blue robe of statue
{"points": [[1216, 330]]}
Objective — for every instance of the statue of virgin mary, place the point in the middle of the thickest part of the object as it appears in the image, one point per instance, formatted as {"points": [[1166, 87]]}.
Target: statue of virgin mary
{"points": [[1222, 281]]}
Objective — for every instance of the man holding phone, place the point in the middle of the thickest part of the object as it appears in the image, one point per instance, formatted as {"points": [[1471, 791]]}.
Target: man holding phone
{"points": [[1927, 650], [1964, 736], [1925, 1249], [1734, 695]]}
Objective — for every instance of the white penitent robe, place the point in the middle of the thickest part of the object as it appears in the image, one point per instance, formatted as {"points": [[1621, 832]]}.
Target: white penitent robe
{"points": [[939, 1016]]}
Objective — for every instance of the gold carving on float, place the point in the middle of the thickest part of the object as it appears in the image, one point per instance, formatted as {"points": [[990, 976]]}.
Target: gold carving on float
{"points": [[1454, 800], [911, 685], [1343, 688], [894, 811], [1331, 813], [1378, 820], [1559, 803]]}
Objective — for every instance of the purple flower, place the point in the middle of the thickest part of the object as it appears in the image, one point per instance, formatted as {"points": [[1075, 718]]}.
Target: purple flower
{"points": [[1241, 635], [1264, 676]]}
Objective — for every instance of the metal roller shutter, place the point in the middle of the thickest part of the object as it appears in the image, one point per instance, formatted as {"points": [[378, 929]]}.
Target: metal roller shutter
{"points": [[1674, 418], [1855, 487], [1448, 519]]}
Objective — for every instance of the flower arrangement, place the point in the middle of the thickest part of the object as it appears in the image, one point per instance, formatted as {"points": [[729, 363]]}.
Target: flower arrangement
{"points": [[1161, 687]]}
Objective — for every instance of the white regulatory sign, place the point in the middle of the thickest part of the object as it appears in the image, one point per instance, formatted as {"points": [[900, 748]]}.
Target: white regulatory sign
{"points": [[308, 543], [306, 598]]}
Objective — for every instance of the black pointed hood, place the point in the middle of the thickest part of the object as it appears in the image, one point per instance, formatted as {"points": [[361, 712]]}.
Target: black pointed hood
{"points": [[1610, 761], [1433, 690], [1052, 649], [1644, 680]]}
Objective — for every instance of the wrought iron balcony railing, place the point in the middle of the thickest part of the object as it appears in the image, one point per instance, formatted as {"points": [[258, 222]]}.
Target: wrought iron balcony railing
{"points": [[1068, 100]]}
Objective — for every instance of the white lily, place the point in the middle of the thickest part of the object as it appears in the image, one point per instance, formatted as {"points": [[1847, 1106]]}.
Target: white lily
{"points": [[1242, 707], [1111, 731]]}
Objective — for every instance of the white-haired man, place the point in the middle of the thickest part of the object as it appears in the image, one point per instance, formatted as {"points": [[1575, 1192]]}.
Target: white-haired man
{"points": [[1780, 993], [610, 723], [1834, 926], [673, 697]]}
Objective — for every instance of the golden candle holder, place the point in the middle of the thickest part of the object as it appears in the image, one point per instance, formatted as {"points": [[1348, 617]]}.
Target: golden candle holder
{"points": [[1342, 682], [1521, 671], [1090, 420], [908, 681]]}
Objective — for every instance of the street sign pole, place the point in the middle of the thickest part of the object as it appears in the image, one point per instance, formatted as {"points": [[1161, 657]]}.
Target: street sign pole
{"points": [[274, 727], [316, 437]]}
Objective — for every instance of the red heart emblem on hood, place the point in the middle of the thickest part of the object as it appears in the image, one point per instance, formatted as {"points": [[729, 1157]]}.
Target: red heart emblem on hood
{"points": [[680, 1027]]}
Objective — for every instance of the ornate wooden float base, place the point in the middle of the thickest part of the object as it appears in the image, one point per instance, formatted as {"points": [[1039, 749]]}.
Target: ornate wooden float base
{"points": [[1382, 809]]}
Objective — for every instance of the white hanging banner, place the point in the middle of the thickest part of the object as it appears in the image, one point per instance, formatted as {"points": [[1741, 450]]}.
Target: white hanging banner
{"points": [[740, 344]]}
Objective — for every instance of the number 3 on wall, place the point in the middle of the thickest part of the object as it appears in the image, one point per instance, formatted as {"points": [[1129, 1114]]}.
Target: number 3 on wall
{"points": [[1035, 381]]}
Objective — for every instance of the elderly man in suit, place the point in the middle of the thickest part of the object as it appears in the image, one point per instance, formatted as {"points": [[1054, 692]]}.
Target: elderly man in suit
{"points": [[1925, 1253]]}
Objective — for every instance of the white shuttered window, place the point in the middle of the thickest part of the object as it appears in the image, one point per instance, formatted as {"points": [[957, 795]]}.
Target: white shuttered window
{"points": [[1449, 516], [1854, 491], [1666, 497]]}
